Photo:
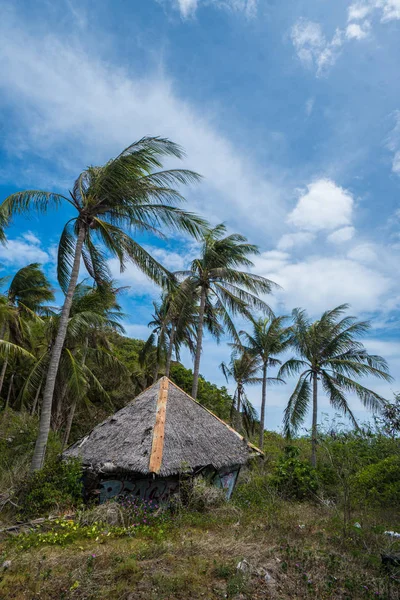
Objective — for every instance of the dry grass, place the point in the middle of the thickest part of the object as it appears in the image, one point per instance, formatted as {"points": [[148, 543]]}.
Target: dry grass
{"points": [[292, 551]]}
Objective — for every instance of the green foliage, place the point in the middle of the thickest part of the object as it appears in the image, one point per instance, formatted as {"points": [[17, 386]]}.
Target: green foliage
{"points": [[18, 431], [294, 478], [216, 399], [57, 486], [379, 484]]}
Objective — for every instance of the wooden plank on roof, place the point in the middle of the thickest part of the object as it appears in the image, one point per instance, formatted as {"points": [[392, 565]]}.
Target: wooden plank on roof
{"points": [[157, 447]]}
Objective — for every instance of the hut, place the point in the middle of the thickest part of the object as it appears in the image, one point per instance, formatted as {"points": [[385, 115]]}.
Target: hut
{"points": [[163, 434]]}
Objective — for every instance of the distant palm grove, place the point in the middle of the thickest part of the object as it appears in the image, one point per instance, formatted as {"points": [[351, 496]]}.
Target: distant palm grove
{"points": [[72, 365]]}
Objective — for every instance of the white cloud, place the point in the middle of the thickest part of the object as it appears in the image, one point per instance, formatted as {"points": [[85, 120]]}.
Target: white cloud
{"points": [[21, 252], [364, 253], [188, 8], [389, 10], [396, 163], [318, 283], [354, 31], [393, 142], [30, 237], [312, 47], [310, 106], [359, 10], [290, 240], [324, 205], [139, 284], [109, 109], [344, 234], [136, 330], [171, 260]]}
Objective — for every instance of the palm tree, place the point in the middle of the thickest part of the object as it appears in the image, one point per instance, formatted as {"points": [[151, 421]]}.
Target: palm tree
{"points": [[155, 347], [28, 290], [223, 288], [129, 193], [243, 369], [183, 317], [328, 351], [268, 340], [94, 315]]}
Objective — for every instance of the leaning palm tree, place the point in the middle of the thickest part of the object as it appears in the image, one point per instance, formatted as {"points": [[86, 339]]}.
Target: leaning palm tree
{"points": [[128, 193], [269, 339], [23, 300], [224, 289], [243, 369], [329, 351]]}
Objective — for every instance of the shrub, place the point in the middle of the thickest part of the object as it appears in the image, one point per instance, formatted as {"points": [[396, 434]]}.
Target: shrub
{"points": [[58, 486], [199, 495], [294, 478], [18, 433], [379, 484]]}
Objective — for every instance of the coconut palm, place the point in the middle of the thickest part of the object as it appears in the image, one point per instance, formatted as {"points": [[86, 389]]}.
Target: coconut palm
{"points": [[243, 369], [94, 314], [223, 288], [328, 350], [128, 193], [24, 298], [269, 339], [183, 317], [155, 347]]}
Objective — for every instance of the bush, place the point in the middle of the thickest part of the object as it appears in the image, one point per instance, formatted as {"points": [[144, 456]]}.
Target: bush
{"points": [[18, 432], [56, 487], [199, 495], [379, 484], [125, 511], [294, 478]]}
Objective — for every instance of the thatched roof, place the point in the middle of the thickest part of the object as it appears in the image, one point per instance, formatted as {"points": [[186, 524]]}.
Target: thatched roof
{"points": [[162, 431]]}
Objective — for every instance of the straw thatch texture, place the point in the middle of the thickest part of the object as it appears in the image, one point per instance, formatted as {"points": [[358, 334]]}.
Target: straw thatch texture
{"points": [[123, 441], [193, 437], [196, 438]]}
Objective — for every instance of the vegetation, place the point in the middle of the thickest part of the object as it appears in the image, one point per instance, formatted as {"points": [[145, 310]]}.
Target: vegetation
{"points": [[127, 193], [295, 527], [328, 350], [289, 530]]}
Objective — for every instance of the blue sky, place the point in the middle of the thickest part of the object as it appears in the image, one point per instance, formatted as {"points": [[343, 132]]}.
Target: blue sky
{"points": [[290, 110]]}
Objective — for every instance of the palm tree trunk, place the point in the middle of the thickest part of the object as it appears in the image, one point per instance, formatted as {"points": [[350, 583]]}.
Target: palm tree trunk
{"points": [[70, 419], [171, 346], [36, 400], [56, 420], [3, 373], [156, 369], [263, 404], [10, 385], [72, 409], [238, 417], [314, 421], [196, 370], [45, 416]]}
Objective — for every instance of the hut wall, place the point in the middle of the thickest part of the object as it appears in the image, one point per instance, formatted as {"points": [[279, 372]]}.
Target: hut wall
{"points": [[226, 479], [157, 489]]}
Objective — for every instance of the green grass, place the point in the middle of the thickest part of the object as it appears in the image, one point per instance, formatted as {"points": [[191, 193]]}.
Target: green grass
{"points": [[305, 549]]}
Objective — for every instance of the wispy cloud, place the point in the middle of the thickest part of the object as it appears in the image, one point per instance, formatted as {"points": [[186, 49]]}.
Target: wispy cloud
{"points": [[67, 105], [312, 47], [315, 50], [188, 8]]}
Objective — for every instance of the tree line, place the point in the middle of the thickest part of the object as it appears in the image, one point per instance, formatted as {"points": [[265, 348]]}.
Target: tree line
{"points": [[57, 352]]}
